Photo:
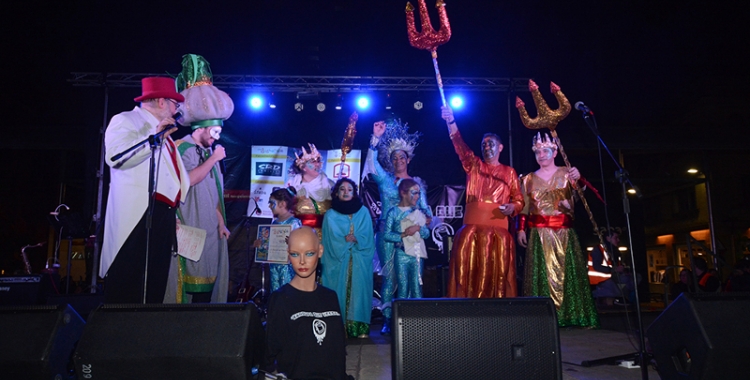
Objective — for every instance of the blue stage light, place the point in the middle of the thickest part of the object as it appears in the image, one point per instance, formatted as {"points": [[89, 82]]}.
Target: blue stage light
{"points": [[256, 102], [457, 102], [363, 102]]}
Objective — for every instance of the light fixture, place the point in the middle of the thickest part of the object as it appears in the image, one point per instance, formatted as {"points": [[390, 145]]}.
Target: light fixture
{"points": [[256, 101], [338, 101], [298, 107], [418, 105], [321, 107], [692, 171], [388, 102], [363, 102], [456, 102], [631, 191], [271, 101]]}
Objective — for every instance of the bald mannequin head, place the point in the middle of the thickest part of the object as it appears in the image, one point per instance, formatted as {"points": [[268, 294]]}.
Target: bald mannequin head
{"points": [[304, 251]]}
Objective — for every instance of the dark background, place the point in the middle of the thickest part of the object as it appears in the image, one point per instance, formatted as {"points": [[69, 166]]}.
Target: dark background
{"points": [[666, 79]]}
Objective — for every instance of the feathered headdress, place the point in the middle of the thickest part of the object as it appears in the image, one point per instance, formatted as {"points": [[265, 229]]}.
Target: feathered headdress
{"points": [[396, 137]]}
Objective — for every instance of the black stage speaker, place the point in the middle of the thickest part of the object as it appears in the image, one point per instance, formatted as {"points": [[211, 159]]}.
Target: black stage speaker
{"points": [[703, 336], [37, 341], [499, 338], [192, 341], [83, 303]]}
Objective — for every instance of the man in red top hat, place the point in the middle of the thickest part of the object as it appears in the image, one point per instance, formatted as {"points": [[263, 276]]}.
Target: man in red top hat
{"points": [[123, 261]]}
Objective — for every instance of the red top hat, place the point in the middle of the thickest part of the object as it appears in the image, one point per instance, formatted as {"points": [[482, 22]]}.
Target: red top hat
{"points": [[159, 87]]}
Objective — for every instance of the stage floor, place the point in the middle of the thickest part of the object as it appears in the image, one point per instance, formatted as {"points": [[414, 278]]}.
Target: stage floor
{"points": [[370, 358]]}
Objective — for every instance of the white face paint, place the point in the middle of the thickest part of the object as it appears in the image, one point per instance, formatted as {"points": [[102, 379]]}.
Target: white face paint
{"points": [[215, 132]]}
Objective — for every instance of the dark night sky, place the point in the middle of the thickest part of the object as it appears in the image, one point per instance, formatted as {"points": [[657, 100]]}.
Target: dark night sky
{"points": [[639, 64], [658, 73]]}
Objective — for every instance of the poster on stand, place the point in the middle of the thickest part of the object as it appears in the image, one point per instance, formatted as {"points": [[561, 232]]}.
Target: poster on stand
{"points": [[273, 243]]}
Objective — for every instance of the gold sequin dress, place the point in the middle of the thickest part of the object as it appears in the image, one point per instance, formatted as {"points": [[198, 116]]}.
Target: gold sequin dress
{"points": [[555, 266]]}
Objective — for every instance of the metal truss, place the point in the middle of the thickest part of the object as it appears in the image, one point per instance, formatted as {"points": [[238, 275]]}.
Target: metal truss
{"points": [[291, 83]]}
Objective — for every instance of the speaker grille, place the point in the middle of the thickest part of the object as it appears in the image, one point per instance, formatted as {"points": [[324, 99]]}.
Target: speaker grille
{"points": [[515, 339], [195, 341], [707, 328]]}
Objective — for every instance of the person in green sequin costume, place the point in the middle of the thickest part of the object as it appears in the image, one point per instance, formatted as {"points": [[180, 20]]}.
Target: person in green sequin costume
{"points": [[555, 265]]}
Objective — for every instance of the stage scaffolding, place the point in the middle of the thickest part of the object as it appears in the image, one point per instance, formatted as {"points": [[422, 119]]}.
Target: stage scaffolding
{"points": [[296, 84]]}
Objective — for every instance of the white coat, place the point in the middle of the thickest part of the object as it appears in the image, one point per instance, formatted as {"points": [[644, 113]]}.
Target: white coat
{"points": [[128, 187]]}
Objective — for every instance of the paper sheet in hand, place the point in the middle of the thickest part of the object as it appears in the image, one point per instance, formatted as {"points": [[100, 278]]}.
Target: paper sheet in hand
{"points": [[190, 241], [273, 246]]}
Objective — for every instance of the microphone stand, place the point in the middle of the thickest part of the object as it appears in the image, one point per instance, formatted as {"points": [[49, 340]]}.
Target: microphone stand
{"points": [[262, 291], [153, 141], [622, 176]]}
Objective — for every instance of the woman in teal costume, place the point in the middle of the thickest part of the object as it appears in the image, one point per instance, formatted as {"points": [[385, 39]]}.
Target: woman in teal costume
{"points": [[402, 224], [349, 247], [391, 150]]}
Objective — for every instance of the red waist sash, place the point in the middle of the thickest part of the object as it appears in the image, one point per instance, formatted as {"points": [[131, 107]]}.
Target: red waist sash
{"points": [[311, 220], [551, 221], [485, 214]]}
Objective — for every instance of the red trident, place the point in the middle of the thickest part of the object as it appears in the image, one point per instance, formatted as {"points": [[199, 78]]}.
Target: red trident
{"points": [[429, 39], [348, 141], [549, 118]]}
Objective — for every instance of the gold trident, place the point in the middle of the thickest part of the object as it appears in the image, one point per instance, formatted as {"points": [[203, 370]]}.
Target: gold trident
{"points": [[548, 118], [429, 39], [545, 118]]}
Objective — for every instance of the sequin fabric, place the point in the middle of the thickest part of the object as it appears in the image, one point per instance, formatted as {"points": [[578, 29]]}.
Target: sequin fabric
{"points": [[482, 261], [555, 265]]}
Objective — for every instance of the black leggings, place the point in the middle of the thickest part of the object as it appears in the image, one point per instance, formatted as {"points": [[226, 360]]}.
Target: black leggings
{"points": [[124, 280]]}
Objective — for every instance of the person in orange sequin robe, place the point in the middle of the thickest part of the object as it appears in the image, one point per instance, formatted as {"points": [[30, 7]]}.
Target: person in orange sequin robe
{"points": [[482, 263]]}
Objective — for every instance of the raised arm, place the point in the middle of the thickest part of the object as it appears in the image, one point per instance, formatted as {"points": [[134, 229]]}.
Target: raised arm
{"points": [[371, 162], [465, 154], [122, 133]]}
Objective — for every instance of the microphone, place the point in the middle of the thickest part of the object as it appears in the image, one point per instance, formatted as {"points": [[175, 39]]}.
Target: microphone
{"points": [[176, 116], [152, 140], [257, 209], [222, 166], [582, 107]]}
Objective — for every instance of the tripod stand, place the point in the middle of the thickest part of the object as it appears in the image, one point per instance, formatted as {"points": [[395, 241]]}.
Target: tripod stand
{"points": [[622, 176], [243, 294]]}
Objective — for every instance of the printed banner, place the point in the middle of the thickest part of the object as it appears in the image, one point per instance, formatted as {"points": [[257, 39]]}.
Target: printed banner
{"points": [[334, 169], [272, 167], [268, 170]]}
